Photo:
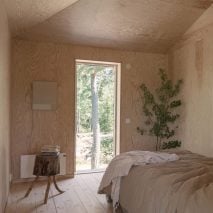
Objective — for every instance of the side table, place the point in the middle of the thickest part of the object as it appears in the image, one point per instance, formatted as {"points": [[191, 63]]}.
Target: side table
{"points": [[49, 166]]}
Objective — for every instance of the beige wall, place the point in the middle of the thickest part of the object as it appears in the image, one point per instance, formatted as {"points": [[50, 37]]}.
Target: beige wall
{"points": [[192, 60], [54, 62], [4, 106]]}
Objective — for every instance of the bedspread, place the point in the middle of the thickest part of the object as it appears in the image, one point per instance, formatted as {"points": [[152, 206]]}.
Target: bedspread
{"points": [[183, 186], [121, 165]]}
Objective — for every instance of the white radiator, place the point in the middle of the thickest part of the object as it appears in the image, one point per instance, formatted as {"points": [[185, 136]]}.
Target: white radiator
{"points": [[27, 164]]}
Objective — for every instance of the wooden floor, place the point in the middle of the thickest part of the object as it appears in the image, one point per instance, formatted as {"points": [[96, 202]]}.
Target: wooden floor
{"points": [[80, 196]]}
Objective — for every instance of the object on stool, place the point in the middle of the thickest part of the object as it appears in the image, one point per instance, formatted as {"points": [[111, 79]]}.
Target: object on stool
{"points": [[50, 149], [46, 165]]}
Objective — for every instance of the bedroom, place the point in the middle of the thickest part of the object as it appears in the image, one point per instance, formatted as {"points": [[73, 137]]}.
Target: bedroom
{"points": [[39, 41]]}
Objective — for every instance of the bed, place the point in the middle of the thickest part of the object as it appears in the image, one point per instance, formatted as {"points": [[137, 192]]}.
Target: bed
{"points": [[182, 186]]}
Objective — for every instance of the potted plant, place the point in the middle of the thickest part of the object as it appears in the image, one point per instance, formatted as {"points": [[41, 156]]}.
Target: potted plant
{"points": [[159, 110]]}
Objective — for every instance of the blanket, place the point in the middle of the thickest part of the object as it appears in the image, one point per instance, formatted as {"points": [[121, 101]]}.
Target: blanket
{"points": [[183, 186], [121, 165]]}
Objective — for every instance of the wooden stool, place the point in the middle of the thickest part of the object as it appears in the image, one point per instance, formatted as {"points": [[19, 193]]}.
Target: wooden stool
{"points": [[46, 165]]}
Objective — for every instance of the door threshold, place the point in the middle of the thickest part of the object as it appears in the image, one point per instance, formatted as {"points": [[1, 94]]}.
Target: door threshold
{"points": [[89, 171]]}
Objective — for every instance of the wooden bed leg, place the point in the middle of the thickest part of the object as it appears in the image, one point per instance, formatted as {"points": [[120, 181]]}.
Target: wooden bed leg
{"points": [[47, 190], [56, 186], [31, 186], [109, 199], [119, 210]]}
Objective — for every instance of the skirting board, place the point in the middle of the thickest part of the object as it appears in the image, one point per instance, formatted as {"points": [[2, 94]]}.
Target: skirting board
{"points": [[25, 180]]}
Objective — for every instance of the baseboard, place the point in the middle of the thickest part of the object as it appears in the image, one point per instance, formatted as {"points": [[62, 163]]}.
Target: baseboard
{"points": [[90, 171], [5, 205], [42, 178]]}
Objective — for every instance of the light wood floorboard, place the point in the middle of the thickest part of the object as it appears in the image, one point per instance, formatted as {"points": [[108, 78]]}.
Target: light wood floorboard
{"points": [[80, 196]]}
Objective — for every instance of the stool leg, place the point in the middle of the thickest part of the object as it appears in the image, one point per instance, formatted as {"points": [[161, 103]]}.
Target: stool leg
{"points": [[47, 190], [31, 186], [56, 186]]}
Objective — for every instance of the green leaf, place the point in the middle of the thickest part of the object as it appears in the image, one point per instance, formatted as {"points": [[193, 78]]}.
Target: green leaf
{"points": [[159, 108], [175, 103], [171, 144]]}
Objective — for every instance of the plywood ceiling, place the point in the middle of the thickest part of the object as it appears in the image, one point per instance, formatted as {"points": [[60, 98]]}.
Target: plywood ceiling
{"points": [[142, 25], [27, 13], [204, 21]]}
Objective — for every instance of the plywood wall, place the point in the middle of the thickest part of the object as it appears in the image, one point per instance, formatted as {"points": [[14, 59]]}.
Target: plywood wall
{"points": [[191, 59], [53, 62], [4, 106]]}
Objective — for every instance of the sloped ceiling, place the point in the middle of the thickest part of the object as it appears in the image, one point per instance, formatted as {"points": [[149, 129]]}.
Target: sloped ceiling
{"points": [[142, 25], [205, 20], [27, 13]]}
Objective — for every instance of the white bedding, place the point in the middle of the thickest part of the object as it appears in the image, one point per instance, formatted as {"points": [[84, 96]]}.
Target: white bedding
{"points": [[121, 165]]}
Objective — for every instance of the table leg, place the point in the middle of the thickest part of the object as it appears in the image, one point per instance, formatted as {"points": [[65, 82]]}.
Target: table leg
{"points": [[47, 189], [56, 186], [31, 186]]}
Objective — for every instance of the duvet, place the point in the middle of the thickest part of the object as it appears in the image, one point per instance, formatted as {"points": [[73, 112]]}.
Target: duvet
{"points": [[183, 186]]}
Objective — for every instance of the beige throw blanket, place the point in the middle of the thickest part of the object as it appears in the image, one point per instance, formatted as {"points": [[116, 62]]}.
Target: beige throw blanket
{"points": [[183, 186], [121, 165]]}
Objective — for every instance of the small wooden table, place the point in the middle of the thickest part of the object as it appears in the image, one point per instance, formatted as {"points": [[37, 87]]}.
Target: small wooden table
{"points": [[49, 166]]}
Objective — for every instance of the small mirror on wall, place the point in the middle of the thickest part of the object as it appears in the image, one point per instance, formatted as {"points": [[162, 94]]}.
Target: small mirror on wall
{"points": [[44, 95]]}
